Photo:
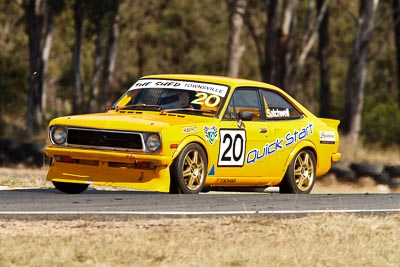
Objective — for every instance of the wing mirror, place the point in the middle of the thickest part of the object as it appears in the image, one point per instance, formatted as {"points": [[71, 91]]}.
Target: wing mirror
{"points": [[246, 115]]}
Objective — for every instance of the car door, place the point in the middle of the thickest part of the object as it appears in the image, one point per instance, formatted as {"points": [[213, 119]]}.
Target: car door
{"points": [[241, 130], [287, 127]]}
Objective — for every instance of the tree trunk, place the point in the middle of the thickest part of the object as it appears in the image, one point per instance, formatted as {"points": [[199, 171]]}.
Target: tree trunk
{"points": [[140, 54], [78, 94], [281, 62], [396, 19], [355, 82], [272, 29], [309, 39], [236, 49], [97, 60], [48, 40], [278, 44], [39, 30], [286, 45], [323, 52], [110, 58]]}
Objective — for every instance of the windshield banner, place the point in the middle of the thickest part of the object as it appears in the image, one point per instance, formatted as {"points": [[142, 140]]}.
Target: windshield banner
{"points": [[209, 88]]}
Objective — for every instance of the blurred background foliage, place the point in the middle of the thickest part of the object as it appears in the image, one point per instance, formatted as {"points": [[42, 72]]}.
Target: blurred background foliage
{"points": [[173, 36]]}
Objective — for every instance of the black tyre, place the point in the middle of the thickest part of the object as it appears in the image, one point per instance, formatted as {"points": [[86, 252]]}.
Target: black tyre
{"points": [[188, 172], [300, 175], [70, 188]]}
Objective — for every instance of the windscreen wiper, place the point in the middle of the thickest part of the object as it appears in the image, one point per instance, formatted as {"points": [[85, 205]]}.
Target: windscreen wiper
{"points": [[139, 106], [187, 109]]}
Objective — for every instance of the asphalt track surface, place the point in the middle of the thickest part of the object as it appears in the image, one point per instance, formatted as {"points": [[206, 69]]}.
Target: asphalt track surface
{"points": [[50, 202]]}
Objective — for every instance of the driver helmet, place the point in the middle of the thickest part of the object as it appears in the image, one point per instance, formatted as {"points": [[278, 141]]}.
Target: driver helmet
{"points": [[171, 99]]}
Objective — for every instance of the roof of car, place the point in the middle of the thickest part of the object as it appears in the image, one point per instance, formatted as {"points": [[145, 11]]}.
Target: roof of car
{"points": [[212, 79]]}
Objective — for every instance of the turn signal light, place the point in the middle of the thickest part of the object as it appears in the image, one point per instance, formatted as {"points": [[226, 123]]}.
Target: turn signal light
{"points": [[64, 159], [145, 165]]}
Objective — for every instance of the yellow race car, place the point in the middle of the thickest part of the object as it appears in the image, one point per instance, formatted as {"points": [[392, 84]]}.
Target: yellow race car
{"points": [[193, 133]]}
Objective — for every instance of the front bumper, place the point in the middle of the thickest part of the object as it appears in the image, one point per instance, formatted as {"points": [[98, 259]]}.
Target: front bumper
{"points": [[126, 169]]}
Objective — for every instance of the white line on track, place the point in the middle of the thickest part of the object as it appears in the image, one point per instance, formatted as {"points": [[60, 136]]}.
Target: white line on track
{"points": [[183, 213], [9, 188], [6, 188]]}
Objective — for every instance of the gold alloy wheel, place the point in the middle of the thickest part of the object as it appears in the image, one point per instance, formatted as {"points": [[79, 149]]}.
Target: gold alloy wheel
{"points": [[304, 171], [193, 170]]}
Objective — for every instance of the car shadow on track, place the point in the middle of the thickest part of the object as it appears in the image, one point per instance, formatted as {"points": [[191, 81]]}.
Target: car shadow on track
{"points": [[90, 191]]}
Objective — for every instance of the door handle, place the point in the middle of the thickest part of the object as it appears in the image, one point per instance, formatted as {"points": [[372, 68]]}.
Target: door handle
{"points": [[263, 130]]}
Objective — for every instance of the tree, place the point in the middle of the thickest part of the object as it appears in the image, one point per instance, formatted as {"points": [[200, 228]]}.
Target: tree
{"points": [[396, 20], [97, 60], [274, 42], [323, 51], [111, 55], [78, 93], [307, 43], [357, 71], [39, 27], [104, 16], [236, 49], [280, 60]]}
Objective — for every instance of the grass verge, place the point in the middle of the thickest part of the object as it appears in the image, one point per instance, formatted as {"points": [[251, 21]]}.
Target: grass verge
{"points": [[320, 240]]}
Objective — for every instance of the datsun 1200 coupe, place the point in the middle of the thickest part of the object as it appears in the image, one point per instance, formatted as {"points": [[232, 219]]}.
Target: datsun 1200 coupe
{"points": [[193, 133]]}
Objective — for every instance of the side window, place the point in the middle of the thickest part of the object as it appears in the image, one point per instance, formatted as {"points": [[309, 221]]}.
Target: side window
{"points": [[244, 100], [278, 107]]}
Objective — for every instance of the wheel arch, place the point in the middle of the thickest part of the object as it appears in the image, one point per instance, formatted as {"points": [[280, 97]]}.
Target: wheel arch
{"points": [[188, 140], [301, 146], [178, 183]]}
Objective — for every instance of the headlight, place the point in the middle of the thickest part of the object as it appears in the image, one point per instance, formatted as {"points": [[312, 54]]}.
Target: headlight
{"points": [[58, 135], [153, 142]]}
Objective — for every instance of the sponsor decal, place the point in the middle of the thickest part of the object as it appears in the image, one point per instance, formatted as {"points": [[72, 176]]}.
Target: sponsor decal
{"points": [[212, 171], [190, 129], [276, 113], [327, 137], [215, 89], [291, 138], [268, 149], [225, 181], [211, 133], [296, 136]]}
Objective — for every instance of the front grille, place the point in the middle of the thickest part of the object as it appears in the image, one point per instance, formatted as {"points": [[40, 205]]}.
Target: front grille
{"points": [[104, 139]]}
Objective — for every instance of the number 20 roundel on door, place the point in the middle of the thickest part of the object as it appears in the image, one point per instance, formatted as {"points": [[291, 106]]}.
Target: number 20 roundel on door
{"points": [[232, 147]]}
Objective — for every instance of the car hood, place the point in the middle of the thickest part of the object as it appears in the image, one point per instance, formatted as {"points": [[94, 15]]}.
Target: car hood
{"points": [[137, 121]]}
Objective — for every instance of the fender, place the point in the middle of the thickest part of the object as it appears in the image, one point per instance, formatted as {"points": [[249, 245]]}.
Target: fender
{"points": [[297, 148], [187, 140]]}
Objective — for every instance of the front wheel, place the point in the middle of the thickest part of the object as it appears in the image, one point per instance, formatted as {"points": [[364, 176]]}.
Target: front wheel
{"points": [[300, 175], [70, 188], [188, 172]]}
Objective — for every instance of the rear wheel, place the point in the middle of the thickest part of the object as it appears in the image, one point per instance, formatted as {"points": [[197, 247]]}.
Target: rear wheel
{"points": [[188, 172], [300, 175], [70, 188]]}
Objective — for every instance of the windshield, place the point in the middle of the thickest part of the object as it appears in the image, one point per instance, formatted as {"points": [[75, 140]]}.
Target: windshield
{"points": [[196, 98]]}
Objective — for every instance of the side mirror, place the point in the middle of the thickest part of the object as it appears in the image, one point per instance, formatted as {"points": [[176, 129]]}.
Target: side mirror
{"points": [[246, 115]]}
